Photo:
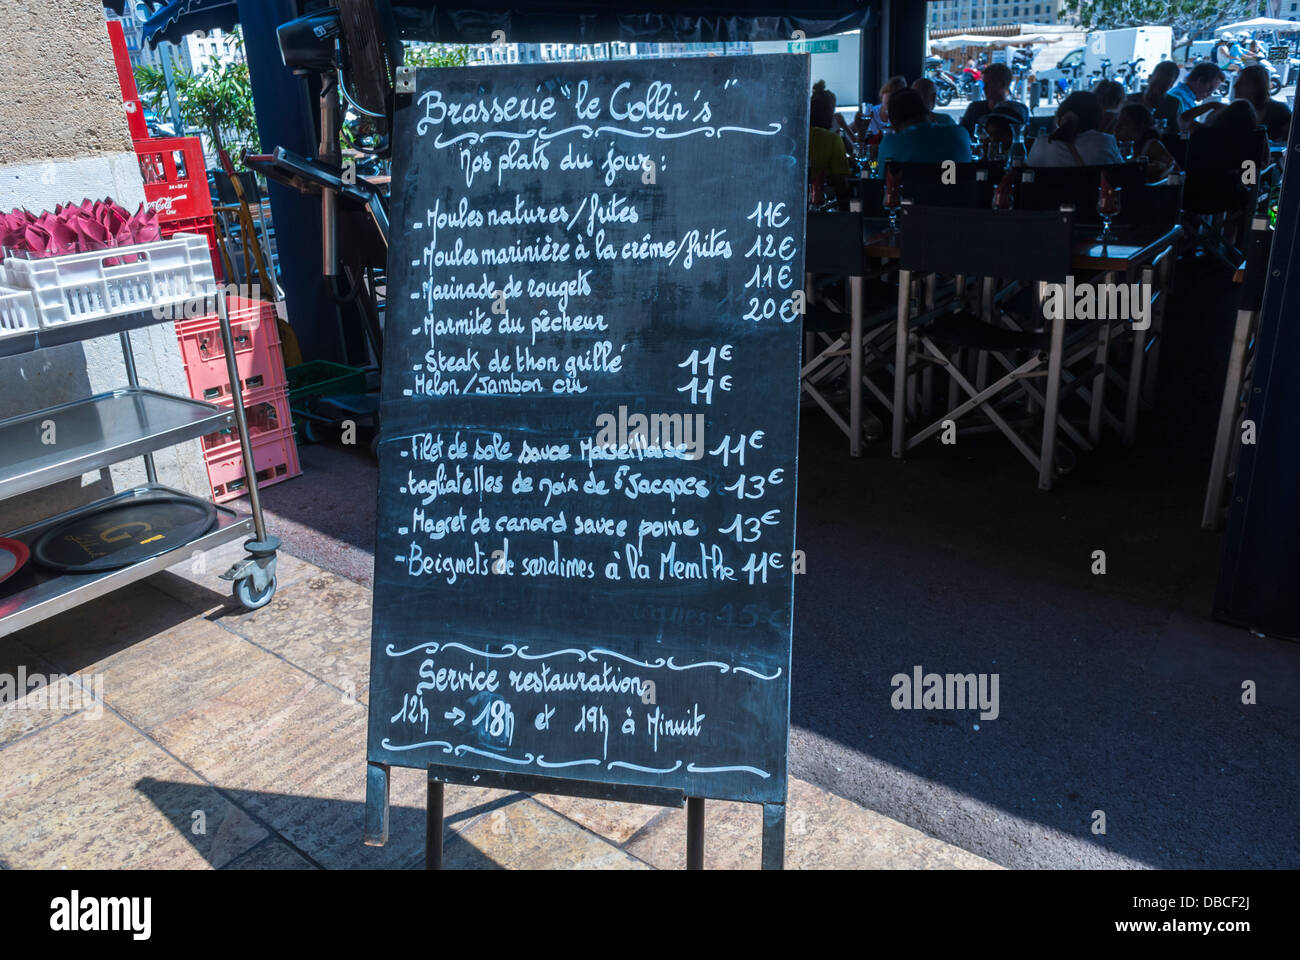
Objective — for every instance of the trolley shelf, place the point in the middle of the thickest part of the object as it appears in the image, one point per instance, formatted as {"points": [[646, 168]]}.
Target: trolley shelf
{"points": [[24, 603], [93, 433], [13, 344]]}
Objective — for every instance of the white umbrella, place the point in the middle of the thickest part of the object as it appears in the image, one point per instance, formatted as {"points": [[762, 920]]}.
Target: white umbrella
{"points": [[1260, 23], [976, 40]]}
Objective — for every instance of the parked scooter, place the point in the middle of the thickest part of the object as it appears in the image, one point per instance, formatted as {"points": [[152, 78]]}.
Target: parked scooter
{"points": [[945, 84]]}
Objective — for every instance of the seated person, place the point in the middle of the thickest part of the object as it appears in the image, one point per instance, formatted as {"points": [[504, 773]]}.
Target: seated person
{"points": [[1110, 96], [879, 120], [1202, 80], [916, 138], [1136, 123], [828, 161], [1156, 97], [925, 87], [1000, 128], [997, 87], [1253, 86], [1225, 134], [1076, 141]]}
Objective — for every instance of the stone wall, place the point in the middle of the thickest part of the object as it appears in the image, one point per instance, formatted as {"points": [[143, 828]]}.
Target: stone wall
{"points": [[65, 138]]}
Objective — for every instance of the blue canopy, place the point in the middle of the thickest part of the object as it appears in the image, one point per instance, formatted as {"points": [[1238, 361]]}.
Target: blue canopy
{"points": [[572, 21], [180, 18]]}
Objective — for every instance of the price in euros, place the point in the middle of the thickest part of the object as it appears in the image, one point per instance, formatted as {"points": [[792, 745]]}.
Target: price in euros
{"points": [[748, 529], [752, 487]]}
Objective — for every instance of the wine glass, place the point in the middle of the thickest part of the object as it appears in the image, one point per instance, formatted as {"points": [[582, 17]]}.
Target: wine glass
{"points": [[1108, 206], [1004, 196], [980, 142], [892, 199]]}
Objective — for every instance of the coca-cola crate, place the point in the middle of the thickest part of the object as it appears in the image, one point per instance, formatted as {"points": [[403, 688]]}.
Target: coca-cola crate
{"points": [[275, 459], [175, 177], [257, 350]]}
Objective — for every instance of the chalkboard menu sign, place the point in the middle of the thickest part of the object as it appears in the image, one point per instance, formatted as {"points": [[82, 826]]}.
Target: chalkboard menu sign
{"points": [[586, 554]]}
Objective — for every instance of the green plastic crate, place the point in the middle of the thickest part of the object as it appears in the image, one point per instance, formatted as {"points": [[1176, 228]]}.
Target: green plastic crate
{"points": [[320, 378]]}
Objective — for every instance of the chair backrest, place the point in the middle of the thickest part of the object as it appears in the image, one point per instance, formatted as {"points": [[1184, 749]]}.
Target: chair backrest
{"points": [[1049, 188], [938, 185], [833, 244], [1027, 245], [1213, 181]]}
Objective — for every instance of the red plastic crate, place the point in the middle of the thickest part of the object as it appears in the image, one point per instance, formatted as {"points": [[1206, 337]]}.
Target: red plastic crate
{"points": [[200, 225], [266, 411], [275, 457], [175, 177], [257, 350]]}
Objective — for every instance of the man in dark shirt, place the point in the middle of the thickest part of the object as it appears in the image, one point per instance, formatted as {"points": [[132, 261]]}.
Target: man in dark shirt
{"points": [[1156, 96], [997, 86]]}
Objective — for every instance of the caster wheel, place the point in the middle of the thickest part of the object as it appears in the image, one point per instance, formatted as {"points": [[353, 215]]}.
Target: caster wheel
{"points": [[250, 600]]}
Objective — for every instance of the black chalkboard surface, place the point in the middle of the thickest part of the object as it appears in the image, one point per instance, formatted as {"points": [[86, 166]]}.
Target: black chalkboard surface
{"points": [[586, 554]]}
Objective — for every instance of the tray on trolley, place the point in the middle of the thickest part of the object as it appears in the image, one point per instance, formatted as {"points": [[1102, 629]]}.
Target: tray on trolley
{"points": [[35, 593]]}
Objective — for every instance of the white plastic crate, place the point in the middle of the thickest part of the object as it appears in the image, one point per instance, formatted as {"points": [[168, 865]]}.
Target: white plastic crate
{"points": [[17, 311], [83, 286]]}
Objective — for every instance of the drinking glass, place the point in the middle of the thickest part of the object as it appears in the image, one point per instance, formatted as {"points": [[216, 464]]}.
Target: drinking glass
{"points": [[1126, 149], [1108, 206], [892, 199]]}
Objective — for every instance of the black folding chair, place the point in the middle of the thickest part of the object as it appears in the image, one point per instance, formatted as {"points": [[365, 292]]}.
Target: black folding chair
{"points": [[1051, 188], [967, 185], [1217, 192], [840, 338], [1236, 383], [1028, 247]]}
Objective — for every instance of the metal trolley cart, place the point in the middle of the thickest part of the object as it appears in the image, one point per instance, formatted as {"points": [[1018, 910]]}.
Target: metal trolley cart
{"points": [[110, 428]]}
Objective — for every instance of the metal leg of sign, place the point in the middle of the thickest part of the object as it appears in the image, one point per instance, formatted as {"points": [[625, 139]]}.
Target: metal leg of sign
{"points": [[694, 833], [774, 836], [376, 828], [433, 827], [440, 774]]}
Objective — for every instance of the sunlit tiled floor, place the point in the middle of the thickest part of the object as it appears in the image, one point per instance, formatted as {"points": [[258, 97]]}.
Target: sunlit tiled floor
{"points": [[222, 738]]}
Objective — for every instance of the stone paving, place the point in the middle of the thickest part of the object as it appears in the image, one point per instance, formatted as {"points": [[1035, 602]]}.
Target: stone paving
{"points": [[201, 735]]}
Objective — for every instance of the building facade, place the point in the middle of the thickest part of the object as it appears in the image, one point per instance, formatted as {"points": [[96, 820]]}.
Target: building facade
{"points": [[965, 15]]}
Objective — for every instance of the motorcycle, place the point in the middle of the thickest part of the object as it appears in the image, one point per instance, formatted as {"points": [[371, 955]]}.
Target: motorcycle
{"points": [[945, 84], [968, 84], [1230, 76]]}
